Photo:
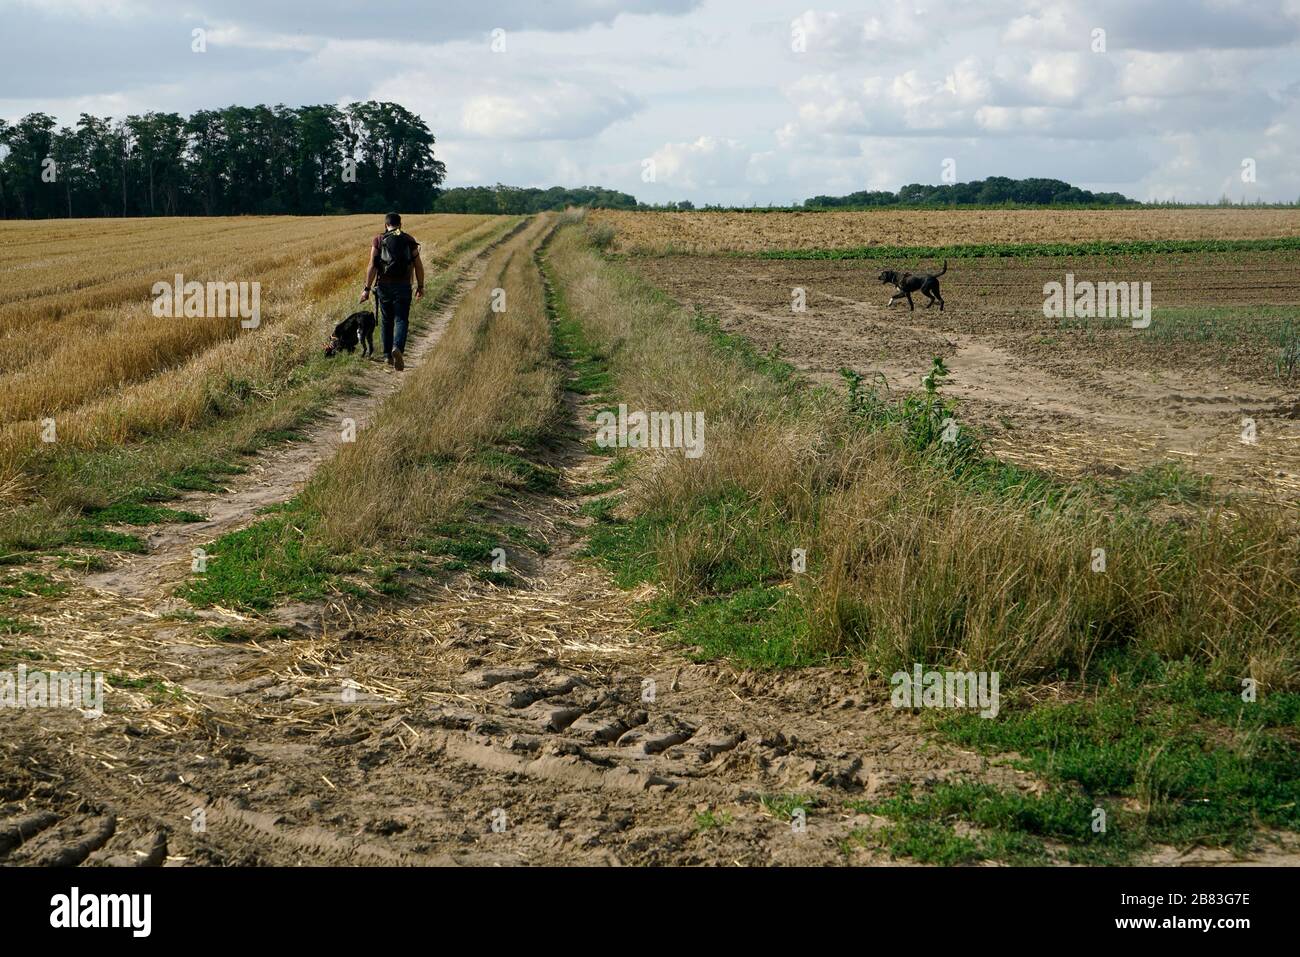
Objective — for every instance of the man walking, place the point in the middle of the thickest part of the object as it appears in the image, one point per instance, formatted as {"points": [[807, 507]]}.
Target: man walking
{"points": [[394, 256]]}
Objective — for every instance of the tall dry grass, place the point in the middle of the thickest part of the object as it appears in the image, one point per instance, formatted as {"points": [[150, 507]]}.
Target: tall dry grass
{"points": [[907, 563]]}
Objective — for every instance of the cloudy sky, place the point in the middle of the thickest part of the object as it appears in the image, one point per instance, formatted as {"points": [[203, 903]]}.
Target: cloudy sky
{"points": [[735, 101]]}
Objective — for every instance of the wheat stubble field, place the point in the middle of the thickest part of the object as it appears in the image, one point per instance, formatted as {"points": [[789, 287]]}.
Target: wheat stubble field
{"points": [[79, 343], [457, 608]]}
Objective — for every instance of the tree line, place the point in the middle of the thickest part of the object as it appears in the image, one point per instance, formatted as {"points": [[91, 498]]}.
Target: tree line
{"points": [[516, 200], [994, 191], [363, 157]]}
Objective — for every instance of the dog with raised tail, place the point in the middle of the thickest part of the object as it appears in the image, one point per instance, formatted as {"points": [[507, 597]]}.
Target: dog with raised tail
{"points": [[908, 284]]}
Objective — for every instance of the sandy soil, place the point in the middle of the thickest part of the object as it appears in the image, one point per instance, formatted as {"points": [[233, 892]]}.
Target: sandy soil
{"points": [[1065, 399]]}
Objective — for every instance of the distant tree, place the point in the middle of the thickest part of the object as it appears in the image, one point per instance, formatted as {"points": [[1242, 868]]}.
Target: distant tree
{"points": [[4, 151], [994, 191], [515, 200], [208, 161], [29, 142]]}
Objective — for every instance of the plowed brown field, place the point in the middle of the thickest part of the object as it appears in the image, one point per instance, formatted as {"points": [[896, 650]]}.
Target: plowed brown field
{"points": [[1075, 397]]}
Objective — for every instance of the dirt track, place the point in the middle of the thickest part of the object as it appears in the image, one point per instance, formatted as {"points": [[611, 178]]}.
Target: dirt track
{"points": [[471, 725], [273, 477], [540, 709]]}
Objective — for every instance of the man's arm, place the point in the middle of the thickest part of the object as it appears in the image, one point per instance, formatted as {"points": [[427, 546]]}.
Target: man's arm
{"points": [[419, 276], [372, 273]]}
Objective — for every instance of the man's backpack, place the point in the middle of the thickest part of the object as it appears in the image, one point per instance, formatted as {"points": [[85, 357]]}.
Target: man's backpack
{"points": [[394, 254]]}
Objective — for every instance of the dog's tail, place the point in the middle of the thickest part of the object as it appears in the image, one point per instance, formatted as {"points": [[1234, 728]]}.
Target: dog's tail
{"points": [[941, 271]]}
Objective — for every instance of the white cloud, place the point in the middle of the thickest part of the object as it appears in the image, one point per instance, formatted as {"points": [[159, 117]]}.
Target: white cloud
{"points": [[823, 32], [234, 35], [1062, 77], [555, 110], [1058, 25], [1184, 74], [968, 84], [709, 161]]}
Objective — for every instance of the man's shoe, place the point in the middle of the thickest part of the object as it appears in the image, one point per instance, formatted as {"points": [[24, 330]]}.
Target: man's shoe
{"points": [[397, 359], [388, 357]]}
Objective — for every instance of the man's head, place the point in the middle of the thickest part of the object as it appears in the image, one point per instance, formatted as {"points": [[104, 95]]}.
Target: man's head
{"points": [[393, 221]]}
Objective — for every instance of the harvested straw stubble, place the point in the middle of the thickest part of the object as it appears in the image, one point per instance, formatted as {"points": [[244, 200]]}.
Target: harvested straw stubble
{"points": [[743, 232], [112, 373], [51, 484]]}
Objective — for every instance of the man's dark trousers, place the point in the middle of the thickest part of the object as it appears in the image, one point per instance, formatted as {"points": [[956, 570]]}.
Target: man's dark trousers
{"points": [[395, 314]]}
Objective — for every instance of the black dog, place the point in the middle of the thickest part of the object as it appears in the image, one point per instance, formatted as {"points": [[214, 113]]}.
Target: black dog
{"points": [[908, 284], [358, 327]]}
